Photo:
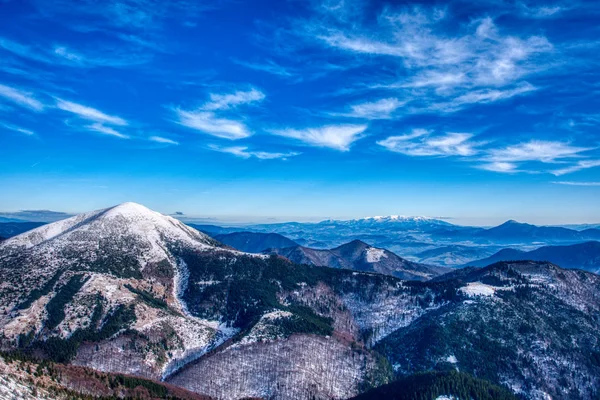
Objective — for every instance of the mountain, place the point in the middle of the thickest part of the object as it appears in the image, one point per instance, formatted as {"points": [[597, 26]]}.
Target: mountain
{"points": [[360, 256], [528, 325], [581, 256], [516, 231], [8, 229], [128, 291], [254, 242]]}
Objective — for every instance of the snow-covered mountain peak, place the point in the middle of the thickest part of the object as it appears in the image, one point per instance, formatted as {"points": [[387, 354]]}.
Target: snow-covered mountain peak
{"points": [[143, 231]]}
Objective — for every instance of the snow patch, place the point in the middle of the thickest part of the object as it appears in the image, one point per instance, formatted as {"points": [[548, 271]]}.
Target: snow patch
{"points": [[374, 254], [478, 289]]}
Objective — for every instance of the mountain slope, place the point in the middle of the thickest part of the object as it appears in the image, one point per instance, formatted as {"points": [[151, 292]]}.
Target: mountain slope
{"points": [[254, 242], [88, 277], [582, 256], [531, 326], [27, 378], [439, 385], [360, 256]]}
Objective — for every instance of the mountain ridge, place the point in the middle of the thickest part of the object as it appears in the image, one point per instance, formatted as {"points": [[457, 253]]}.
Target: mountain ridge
{"points": [[360, 256], [584, 256]]}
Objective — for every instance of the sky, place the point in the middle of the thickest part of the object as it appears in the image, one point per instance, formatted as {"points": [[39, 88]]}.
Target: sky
{"points": [[261, 111]]}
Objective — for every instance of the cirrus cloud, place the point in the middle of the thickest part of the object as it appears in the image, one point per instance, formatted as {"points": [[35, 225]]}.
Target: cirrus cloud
{"points": [[337, 137]]}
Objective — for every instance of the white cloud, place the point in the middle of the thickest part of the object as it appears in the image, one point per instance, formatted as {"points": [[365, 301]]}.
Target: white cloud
{"points": [[232, 100], [21, 98], [440, 69], [500, 166], [244, 152], [338, 137], [490, 95], [380, 109], [208, 122], [106, 130], [583, 164], [211, 117], [421, 143], [160, 139], [437, 79], [89, 113], [536, 150]]}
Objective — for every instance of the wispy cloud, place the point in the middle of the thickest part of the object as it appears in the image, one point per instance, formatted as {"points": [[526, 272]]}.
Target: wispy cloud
{"points": [[211, 117], [160, 139], [20, 97], [232, 100], [61, 55], [245, 152], [423, 143], [543, 11], [372, 110], [537, 150], [483, 155], [17, 129], [576, 183], [439, 69], [499, 166], [578, 166], [208, 122], [268, 66], [338, 137], [106, 130], [483, 96], [89, 113]]}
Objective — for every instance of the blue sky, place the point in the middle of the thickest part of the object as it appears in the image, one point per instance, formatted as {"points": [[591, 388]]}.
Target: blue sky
{"points": [[279, 110]]}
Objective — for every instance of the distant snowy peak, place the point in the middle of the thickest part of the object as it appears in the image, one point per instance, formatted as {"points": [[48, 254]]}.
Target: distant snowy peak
{"points": [[399, 220]]}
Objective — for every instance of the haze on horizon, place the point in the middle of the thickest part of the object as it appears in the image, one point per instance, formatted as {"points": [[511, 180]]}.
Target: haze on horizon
{"points": [[280, 111]]}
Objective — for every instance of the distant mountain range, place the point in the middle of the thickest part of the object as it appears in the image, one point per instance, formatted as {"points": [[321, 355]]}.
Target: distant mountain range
{"points": [[421, 240], [580, 256], [254, 242]]}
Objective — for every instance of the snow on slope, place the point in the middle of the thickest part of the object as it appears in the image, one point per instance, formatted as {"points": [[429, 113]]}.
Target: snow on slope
{"points": [[374, 254]]}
